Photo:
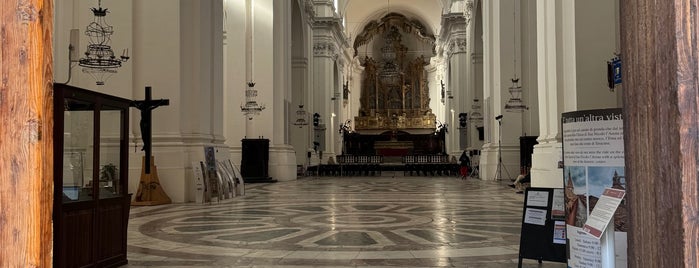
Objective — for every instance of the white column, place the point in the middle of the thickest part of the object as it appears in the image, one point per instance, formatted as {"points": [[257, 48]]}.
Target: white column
{"points": [[238, 73], [545, 172], [324, 52], [477, 85], [570, 78], [188, 70], [500, 49], [282, 158], [459, 89]]}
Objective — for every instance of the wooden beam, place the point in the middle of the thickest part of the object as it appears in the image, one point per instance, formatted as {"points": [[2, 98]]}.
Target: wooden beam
{"points": [[26, 127], [660, 72]]}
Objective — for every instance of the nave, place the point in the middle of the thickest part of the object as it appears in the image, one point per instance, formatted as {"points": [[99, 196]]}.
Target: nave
{"points": [[386, 221]]}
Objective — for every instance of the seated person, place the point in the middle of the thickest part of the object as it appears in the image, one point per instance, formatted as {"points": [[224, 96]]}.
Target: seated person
{"points": [[520, 181]]}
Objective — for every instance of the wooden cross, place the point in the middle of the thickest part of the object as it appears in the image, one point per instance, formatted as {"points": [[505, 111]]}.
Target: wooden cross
{"points": [[146, 106]]}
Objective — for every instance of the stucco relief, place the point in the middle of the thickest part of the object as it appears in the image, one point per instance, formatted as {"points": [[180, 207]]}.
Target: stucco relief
{"points": [[310, 10], [458, 45], [468, 11], [325, 49]]}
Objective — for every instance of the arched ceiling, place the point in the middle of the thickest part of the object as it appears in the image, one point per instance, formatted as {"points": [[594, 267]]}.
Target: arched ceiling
{"points": [[359, 12]]}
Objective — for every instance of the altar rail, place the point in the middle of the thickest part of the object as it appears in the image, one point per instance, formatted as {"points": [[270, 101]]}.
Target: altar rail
{"points": [[429, 165], [359, 159], [426, 159], [373, 165]]}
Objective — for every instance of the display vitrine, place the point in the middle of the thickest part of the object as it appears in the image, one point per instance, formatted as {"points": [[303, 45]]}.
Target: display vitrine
{"points": [[91, 203]]}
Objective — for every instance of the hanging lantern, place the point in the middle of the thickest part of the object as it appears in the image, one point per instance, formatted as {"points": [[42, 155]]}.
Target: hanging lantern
{"points": [[99, 61], [251, 108], [301, 117], [515, 103]]}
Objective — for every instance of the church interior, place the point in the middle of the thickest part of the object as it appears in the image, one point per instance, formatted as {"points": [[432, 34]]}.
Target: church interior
{"points": [[389, 78], [356, 93], [327, 133]]}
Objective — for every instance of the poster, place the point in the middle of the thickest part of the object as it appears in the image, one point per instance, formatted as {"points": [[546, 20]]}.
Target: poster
{"points": [[604, 211], [559, 232], [558, 206], [585, 250], [538, 199], [593, 157], [535, 216]]}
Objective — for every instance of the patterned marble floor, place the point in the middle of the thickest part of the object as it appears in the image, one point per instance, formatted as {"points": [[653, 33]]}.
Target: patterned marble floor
{"points": [[338, 222]]}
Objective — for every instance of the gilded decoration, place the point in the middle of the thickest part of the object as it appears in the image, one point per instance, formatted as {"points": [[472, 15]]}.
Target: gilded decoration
{"points": [[394, 91]]}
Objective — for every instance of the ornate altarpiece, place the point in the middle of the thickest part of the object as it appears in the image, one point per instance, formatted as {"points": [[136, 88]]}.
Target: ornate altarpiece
{"points": [[394, 89]]}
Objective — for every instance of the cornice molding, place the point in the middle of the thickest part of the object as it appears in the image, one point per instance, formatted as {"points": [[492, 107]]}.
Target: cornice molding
{"points": [[330, 27]]}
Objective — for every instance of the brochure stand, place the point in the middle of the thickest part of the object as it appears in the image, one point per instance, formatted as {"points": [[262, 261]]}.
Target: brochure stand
{"points": [[540, 239], [600, 224]]}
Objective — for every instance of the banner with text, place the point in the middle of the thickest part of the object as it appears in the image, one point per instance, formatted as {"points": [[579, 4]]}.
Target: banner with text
{"points": [[593, 156]]}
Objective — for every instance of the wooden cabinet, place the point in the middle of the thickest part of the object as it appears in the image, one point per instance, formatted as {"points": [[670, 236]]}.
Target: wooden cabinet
{"points": [[91, 204], [526, 149]]}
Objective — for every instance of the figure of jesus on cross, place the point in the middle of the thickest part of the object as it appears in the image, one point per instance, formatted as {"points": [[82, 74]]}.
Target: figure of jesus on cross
{"points": [[146, 107]]}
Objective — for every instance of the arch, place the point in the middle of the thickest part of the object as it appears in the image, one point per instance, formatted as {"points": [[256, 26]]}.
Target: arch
{"points": [[299, 138], [400, 21]]}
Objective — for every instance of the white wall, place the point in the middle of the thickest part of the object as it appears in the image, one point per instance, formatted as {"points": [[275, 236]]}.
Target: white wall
{"points": [[596, 42]]}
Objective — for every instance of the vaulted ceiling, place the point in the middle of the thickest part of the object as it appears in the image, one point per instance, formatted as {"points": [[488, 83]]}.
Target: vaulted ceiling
{"points": [[359, 12]]}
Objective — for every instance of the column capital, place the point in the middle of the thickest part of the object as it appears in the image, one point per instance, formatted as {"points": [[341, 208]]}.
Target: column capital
{"points": [[457, 45], [325, 49]]}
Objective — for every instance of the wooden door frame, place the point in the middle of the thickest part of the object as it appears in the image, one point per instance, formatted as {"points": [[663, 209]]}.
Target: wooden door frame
{"points": [[26, 127], [660, 72]]}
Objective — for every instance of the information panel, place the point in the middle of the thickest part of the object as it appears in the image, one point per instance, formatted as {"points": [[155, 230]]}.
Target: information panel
{"points": [[542, 237], [593, 156]]}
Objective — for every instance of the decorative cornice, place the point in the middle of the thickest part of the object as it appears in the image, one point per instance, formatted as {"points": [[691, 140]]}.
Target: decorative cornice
{"points": [[333, 28], [452, 23]]}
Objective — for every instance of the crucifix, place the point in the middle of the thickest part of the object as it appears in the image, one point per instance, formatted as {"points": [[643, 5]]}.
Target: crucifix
{"points": [[146, 107]]}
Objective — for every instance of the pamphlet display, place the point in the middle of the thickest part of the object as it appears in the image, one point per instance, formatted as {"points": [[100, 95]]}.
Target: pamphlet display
{"points": [[593, 155], [540, 239]]}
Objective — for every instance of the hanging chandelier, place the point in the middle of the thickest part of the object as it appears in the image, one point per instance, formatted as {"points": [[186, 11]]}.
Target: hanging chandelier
{"points": [[476, 117], [99, 61], [251, 108], [515, 103], [301, 117]]}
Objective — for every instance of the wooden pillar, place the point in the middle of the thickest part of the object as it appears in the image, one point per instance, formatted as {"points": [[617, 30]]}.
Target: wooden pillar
{"points": [[660, 72], [26, 133]]}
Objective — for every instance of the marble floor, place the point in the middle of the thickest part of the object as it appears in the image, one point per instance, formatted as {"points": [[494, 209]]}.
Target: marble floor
{"points": [[387, 221]]}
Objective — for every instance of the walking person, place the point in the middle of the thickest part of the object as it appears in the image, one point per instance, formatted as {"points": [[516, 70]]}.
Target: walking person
{"points": [[465, 163]]}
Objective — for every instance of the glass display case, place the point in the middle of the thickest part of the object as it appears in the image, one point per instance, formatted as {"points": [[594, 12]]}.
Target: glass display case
{"points": [[91, 205]]}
